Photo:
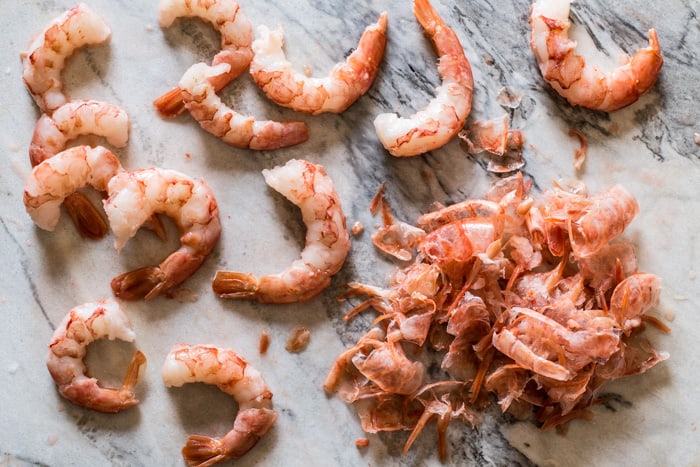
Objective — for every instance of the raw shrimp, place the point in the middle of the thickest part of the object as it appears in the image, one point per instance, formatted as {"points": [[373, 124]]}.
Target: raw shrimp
{"points": [[46, 54], [234, 376], [81, 326], [349, 80], [134, 196], [236, 37], [75, 118], [447, 112], [54, 180], [567, 72], [327, 240], [238, 130]]}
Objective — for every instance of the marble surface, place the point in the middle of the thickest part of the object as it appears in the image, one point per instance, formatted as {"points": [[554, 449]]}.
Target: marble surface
{"points": [[649, 147]]}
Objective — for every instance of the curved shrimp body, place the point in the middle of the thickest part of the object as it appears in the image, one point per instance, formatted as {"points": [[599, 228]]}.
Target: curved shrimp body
{"points": [[234, 376], [327, 240], [349, 80], [46, 54], [81, 326], [58, 177], [236, 37], [134, 197], [238, 130], [73, 119], [447, 112], [567, 72]]}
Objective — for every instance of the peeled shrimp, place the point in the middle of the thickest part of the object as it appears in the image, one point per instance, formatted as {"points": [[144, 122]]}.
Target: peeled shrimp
{"points": [[75, 118], [134, 196], [327, 240], [236, 37], [238, 130], [567, 72], [447, 112], [54, 180], [349, 80], [234, 376], [46, 54], [81, 326]]}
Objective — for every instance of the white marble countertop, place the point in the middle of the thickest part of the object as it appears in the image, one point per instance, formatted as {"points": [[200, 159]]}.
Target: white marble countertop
{"points": [[648, 147]]}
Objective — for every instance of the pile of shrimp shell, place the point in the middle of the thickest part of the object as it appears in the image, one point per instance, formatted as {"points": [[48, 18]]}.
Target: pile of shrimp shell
{"points": [[535, 301]]}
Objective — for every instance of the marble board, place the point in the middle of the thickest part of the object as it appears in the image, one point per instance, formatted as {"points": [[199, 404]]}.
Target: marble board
{"points": [[651, 147]]}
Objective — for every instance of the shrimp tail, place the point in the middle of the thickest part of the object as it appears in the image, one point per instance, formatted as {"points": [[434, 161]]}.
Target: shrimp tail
{"points": [[170, 104], [230, 284], [86, 217], [133, 373], [150, 281], [251, 425], [137, 284], [203, 451]]}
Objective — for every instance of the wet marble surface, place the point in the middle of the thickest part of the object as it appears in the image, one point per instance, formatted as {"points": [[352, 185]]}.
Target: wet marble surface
{"points": [[649, 147]]}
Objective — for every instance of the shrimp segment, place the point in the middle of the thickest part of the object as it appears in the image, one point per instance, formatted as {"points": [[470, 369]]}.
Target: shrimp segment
{"points": [[327, 240], [349, 80], [567, 72], [54, 180], [134, 196], [447, 112], [238, 130], [81, 326], [236, 37], [46, 54], [234, 376]]}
